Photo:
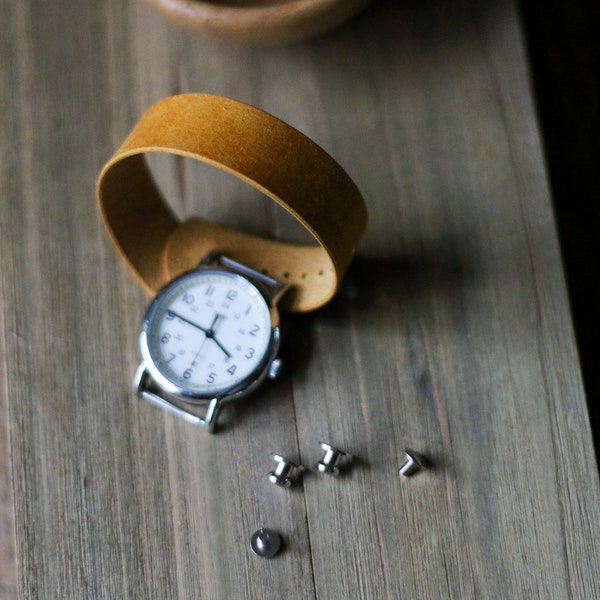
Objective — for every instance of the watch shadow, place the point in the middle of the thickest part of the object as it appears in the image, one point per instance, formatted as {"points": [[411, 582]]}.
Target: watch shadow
{"points": [[441, 269], [373, 294]]}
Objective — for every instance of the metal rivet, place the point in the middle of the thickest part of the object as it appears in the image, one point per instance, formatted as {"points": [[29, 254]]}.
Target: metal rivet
{"points": [[265, 543], [282, 475], [330, 459], [414, 462]]}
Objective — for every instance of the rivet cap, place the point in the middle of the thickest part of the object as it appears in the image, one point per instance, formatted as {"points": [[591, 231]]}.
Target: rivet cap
{"points": [[265, 543]]}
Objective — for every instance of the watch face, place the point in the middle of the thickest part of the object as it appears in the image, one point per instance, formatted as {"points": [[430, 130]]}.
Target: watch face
{"points": [[206, 334]]}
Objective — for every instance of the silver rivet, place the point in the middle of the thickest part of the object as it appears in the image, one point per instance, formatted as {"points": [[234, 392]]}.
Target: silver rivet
{"points": [[414, 462], [330, 459], [282, 475], [265, 543]]}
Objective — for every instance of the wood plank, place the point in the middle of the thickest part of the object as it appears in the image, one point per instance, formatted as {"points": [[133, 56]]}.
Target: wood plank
{"points": [[452, 332]]}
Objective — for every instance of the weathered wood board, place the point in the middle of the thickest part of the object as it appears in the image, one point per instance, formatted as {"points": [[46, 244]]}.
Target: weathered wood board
{"points": [[451, 334]]}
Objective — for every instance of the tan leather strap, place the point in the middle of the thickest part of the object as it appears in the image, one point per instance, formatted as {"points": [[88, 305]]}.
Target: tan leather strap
{"points": [[262, 151]]}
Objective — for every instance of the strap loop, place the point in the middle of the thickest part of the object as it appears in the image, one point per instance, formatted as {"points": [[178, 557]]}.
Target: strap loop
{"points": [[257, 148]]}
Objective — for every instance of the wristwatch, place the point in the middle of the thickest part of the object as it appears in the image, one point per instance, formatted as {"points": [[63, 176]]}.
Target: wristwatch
{"points": [[211, 334]]}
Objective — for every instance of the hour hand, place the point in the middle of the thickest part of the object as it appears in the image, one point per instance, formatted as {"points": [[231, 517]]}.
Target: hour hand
{"points": [[213, 325]]}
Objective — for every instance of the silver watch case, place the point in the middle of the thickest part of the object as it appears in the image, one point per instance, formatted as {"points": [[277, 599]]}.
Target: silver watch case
{"points": [[151, 385]]}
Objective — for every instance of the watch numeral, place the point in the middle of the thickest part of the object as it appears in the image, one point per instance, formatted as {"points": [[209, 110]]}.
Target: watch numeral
{"points": [[209, 290], [172, 356], [250, 353], [188, 373], [165, 338], [188, 298], [231, 295], [211, 378], [255, 329], [170, 315], [232, 369]]}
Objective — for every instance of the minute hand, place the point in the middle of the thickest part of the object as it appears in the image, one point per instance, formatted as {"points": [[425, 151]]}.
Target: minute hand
{"points": [[216, 341]]}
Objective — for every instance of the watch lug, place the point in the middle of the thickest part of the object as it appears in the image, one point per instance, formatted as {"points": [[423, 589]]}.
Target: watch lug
{"points": [[139, 379], [212, 414], [142, 389]]}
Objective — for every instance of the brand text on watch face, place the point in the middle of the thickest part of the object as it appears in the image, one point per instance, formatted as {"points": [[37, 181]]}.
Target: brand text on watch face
{"points": [[209, 333]]}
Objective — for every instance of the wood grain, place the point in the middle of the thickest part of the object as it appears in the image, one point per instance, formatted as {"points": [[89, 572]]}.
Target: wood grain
{"points": [[451, 334]]}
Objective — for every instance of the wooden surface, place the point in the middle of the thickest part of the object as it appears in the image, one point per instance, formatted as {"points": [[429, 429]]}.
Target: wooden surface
{"points": [[452, 333]]}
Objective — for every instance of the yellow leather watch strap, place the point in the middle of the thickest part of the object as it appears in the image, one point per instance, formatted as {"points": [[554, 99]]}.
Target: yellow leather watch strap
{"points": [[262, 151]]}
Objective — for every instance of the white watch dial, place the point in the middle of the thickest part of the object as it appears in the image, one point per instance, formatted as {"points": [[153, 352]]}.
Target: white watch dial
{"points": [[207, 332]]}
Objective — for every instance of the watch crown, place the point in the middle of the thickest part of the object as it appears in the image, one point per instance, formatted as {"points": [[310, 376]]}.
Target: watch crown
{"points": [[275, 368]]}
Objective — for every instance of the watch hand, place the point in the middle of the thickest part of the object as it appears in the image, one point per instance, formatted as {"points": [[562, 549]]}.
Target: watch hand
{"points": [[214, 323], [211, 333], [208, 332], [194, 363], [189, 322], [216, 341]]}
